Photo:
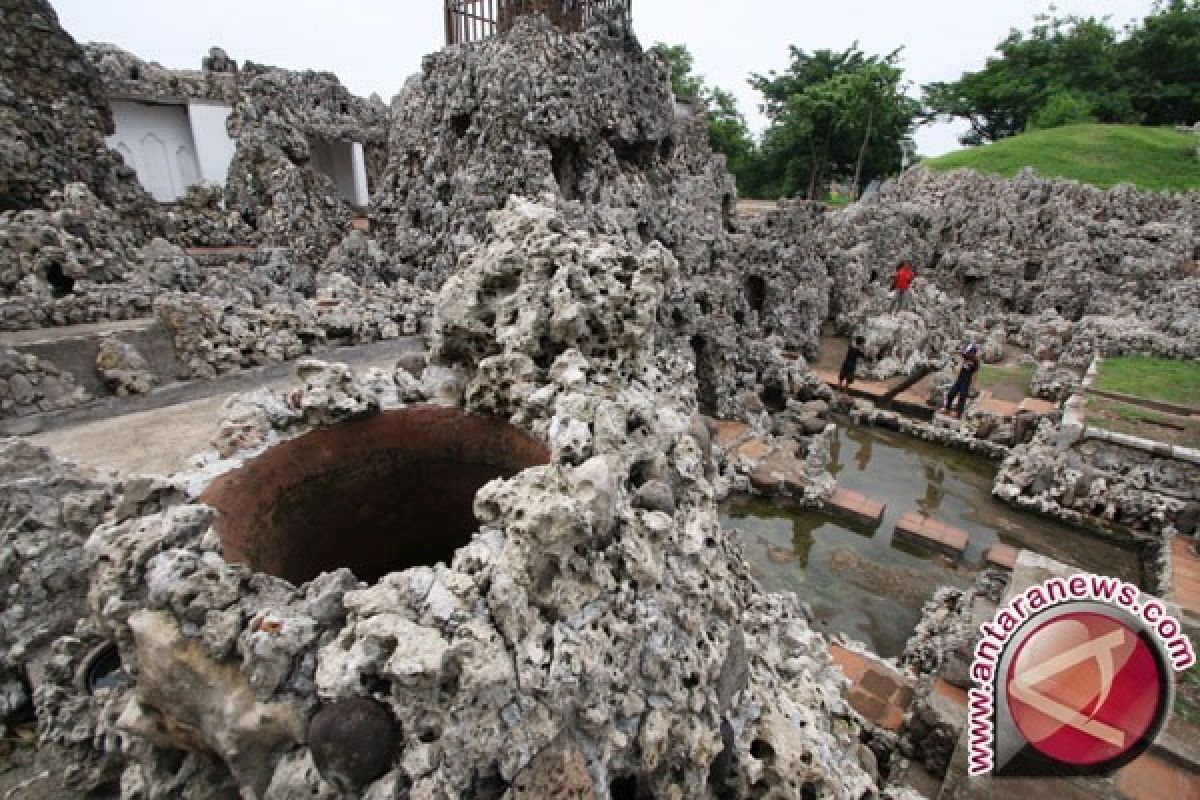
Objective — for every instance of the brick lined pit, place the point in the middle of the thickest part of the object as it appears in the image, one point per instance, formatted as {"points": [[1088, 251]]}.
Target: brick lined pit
{"points": [[376, 495]]}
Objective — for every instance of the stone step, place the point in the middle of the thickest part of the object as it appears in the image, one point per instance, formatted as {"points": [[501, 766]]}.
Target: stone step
{"points": [[858, 506], [64, 333], [1001, 555], [227, 250], [909, 401], [932, 533], [728, 433], [1001, 408], [878, 691], [1037, 406]]}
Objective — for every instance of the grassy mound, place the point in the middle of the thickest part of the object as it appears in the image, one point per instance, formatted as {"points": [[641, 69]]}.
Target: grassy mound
{"points": [[1158, 159]]}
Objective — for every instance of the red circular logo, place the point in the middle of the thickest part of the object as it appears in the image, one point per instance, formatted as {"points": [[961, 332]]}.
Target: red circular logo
{"points": [[1084, 688]]}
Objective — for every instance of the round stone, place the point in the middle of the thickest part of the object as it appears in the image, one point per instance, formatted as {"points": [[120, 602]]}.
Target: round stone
{"points": [[353, 742]]}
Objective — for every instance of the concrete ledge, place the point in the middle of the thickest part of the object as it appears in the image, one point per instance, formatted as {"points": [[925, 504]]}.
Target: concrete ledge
{"points": [[182, 392], [1001, 555], [1037, 406], [1160, 449], [858, 506], [932, 533]]}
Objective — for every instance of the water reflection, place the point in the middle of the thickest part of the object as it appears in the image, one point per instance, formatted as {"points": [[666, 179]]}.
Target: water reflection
{"points": [[835, 456], [863, 456], [931, 501], [861, 582]]}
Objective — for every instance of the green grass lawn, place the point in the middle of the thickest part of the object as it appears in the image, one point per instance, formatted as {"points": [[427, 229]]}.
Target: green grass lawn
{"points": [[1158, 159], [1006, 383], [1147, 423], [838, 200], [1152, 378]]}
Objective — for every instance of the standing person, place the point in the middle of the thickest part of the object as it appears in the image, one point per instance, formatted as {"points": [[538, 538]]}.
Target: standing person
{"points": [[850, 363], [970, 365], [901, 282]]}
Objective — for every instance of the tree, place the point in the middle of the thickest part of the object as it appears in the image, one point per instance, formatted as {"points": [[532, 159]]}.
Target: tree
{"points": [[876, 101], [834, 113], [728, 133], [686, 85], [1161, 59], [1079, 69]]}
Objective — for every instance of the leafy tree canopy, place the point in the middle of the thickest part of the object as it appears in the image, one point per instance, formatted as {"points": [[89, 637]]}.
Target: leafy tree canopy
{"points": [[834, 114], [1079, 69], [728, 133], [686, 85]]}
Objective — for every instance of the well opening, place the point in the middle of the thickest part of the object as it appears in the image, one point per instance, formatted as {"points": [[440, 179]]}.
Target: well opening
{"points": [[377, 495]]}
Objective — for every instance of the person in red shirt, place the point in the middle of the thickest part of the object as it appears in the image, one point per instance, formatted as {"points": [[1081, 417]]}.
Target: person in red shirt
{"points": [[901, 282]]}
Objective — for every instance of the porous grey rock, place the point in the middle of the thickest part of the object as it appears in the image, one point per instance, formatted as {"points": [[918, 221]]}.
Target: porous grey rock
{"points": [[570, 613], [53, 120], [1054, 382], [124, 369], [30, 385], [1095, 482]]}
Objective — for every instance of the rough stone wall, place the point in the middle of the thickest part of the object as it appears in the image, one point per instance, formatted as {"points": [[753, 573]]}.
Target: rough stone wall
{"points": [[214, 333], [589, 120], [1094, 482], [29, 385], [599, 619], [47, 509], [1028, 246], [272, 183], [273, 195], [123, 75], [53, 120], [76, 262]]}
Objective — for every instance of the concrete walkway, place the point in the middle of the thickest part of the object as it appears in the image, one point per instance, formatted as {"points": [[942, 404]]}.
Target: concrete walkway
{"points": [[66, 332], [162, 439], [382, 353]]}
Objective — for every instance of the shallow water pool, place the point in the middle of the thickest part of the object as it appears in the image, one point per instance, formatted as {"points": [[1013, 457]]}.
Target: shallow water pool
{"points": [[861, 582]]}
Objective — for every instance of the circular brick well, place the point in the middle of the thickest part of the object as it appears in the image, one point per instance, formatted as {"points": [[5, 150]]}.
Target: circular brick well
{"points": [[376, 495]]}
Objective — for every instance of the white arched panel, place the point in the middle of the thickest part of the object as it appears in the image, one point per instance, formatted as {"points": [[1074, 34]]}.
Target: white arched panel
{"points": [[126, 155], [189, 172], [156, 172], [156, 140]]}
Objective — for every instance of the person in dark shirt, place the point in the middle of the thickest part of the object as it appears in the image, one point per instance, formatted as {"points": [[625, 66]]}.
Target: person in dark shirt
{"points": [[850, 362], [962, 386]]}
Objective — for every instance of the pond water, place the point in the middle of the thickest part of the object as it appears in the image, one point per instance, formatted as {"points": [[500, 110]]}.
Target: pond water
{"points": [[861, 582]]}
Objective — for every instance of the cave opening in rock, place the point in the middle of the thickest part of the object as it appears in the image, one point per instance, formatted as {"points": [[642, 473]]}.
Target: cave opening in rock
{"points": [[61, 284], [756, 292], [706, 376], [567, 163], [774, 398], [101, 669], [376, 495]]}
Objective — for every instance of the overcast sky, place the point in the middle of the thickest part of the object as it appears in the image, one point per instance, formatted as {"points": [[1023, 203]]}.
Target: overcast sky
{"points": [[373, 45]]}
